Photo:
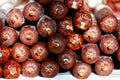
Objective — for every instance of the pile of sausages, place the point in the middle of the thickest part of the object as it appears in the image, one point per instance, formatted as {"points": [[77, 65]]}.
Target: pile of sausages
{"points": [[46, 37]]}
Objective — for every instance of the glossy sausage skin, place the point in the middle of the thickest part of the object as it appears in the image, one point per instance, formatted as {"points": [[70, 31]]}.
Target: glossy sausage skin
{"points": [[82, 20], [104, 66], [8, 36], [108, 22]]}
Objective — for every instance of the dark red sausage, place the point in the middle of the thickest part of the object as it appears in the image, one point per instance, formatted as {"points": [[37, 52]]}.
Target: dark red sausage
{"points": [[107, 21], [28, 35], [81, 70], [15, 18], [39, 51], [65, 26], [33, 11], [11, 69], [75, 41], [104, 66], [8, 36]]}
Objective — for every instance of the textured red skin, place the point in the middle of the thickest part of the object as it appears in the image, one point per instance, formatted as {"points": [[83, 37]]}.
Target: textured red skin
{"points": [[90, 53], [5, 54], [46, 26], [56, 43], [79, 4], [32, 65], [20, 52], [109, 44], [49, 68], [58, 10], [44, 1], [65, 26], [39, 51], [8, 36], [82, 17], [104, 60], [70, 58], [19, 18], [37, 11], [28, 35], [77, 39], [8, 67], [84, 66]]}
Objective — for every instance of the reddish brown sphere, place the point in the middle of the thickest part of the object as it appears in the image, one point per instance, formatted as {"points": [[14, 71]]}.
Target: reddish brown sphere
{"points": [[93, 34], [8, 36], [65, 26], [20, 52], [56, 43], [39, 51], [44, 1], [15, 18], [4, 54], [90, 53], [11, 70], [28, 35], [109, 44], [82, 20], [74, 4], [1, 71], [75, 41], [81, 70], [58, 10], [67, 59], [49, 68], [33, 11], [30, 68], [104, 66], [108, 22], [46, 26]]}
